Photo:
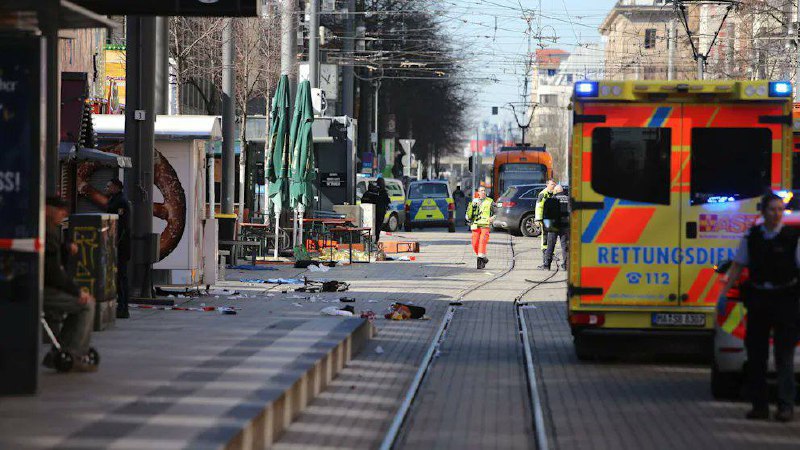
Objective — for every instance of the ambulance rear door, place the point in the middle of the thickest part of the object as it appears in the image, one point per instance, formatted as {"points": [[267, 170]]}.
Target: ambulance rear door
{"points": [[626, 214], [732, 153]]}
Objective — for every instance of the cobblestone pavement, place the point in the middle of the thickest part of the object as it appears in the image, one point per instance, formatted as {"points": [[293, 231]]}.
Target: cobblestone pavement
{"points": [[475, 391], [634, 405]]}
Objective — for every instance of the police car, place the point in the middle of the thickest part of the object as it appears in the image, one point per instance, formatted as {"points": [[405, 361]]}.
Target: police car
{"points": [[730, 356], [430, 203]]}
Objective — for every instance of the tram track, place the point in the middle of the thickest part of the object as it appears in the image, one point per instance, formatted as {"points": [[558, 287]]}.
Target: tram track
{"points": [[403, 412]]}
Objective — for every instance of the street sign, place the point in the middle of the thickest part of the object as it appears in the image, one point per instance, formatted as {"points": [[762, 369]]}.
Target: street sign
{"points": [[407, 144], [208, 8]]}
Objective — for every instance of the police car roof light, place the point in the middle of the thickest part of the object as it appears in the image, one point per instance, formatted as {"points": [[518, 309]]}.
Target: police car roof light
{"points": [[586, 89], [780, 89]]}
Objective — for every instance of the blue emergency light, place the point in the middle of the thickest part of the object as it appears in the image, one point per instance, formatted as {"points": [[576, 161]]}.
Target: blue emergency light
{"points": [[780, 89], [586, 89]]}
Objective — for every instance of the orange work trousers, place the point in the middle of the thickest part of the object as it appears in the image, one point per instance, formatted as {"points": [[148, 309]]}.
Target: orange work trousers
{"points": [[480, 239]]}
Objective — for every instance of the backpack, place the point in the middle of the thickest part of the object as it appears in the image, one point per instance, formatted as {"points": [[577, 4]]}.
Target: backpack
{"points": [[551, 209]]}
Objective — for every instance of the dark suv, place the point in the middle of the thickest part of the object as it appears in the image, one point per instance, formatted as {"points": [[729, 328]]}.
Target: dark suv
{"points": [[515, 210]]}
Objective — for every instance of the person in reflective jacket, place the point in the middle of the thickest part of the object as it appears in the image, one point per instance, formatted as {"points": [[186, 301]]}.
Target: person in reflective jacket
{"points": [[771, 253], [538, 210], [480, 218]]}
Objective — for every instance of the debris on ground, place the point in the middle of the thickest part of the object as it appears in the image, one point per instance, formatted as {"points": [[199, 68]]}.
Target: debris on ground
{"points": [[251, 267], [347, 299], [323, 286], [334, 311], [379, 350], [218, 292], [406, 258], [230, 310], [318, 268], [369, 315], [271, 280], [404, 311]]}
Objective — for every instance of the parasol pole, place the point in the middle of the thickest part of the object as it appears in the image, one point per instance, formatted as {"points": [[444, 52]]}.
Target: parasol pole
{"points": [[277, 229]]}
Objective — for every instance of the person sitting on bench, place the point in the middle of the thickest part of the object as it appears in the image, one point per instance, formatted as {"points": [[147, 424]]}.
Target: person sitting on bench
{"points": [[62, 296]]}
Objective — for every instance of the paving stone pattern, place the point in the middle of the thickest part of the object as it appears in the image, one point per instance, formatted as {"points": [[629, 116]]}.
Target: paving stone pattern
{"points": [[636, 405], [356, 411]]}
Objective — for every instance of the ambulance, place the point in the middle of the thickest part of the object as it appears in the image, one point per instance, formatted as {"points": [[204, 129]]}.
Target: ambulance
{"points": [[666, 177]]}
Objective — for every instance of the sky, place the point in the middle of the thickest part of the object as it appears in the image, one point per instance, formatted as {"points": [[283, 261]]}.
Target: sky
{"points": [[493, 34]]}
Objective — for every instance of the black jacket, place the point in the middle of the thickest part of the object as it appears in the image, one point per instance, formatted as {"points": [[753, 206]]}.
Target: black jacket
{"points": [[119, 204], [55, 274]]}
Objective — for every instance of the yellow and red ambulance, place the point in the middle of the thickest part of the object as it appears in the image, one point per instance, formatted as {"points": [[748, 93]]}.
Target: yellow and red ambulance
{"points": [[666, 177]]}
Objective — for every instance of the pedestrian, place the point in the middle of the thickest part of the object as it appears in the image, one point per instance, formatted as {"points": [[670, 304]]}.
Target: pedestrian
{"points": [[544, 194], [381, 206], [479, 215], [62, 297], [555, 220], [771, 253], [119, 204], [397, 168], [458, 193]]}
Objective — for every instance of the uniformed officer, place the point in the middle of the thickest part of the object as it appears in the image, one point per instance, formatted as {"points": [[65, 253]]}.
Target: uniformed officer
{"points": [[556, 228], [546, 193], [771, 253]]}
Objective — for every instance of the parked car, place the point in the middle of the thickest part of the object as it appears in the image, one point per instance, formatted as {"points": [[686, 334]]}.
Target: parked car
{"points": [[514, 211], [730, 356], [430, 203], [396, 214]]}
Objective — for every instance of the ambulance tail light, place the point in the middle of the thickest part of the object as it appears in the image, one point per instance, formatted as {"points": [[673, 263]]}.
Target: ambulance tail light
{"points": [[586, 89], [451, 206], [408, 207], [587, 319], [780, 89]]}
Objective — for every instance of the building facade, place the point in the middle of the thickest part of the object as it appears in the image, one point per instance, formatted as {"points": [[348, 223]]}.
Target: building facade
{"points": [[637, 40]]}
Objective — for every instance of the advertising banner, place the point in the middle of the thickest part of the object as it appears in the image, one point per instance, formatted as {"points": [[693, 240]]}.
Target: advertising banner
{"points": [[20, 208]]}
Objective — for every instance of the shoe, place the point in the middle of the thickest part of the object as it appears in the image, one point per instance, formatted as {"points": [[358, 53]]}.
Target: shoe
{"points": [[480, 263], [123, 314], [543, 267], [757, 414], [784, 415], [83, 364], [563, 267], [485, 261]]}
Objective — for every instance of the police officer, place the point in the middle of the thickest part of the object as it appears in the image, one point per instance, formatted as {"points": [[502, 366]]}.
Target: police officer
{"points": [[556, 217], [770, 251], [538, 210]]}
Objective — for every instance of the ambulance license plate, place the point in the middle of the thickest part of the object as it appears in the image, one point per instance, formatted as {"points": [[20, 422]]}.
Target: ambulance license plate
{"points": [[428, 208], [679, 319]]}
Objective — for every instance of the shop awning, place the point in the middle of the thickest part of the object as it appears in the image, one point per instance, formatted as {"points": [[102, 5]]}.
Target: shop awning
{"points": [[68, 151], [166, 127]]}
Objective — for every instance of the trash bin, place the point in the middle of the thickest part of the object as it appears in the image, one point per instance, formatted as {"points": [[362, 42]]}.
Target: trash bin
{"points": [[227, 229], [94, 267]]}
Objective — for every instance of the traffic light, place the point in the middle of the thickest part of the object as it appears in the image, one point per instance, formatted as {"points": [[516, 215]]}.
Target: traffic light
{"points": [[210, 8]]}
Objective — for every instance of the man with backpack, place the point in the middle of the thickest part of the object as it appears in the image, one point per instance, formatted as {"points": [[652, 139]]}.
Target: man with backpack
{"points": [[555, 224]]}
